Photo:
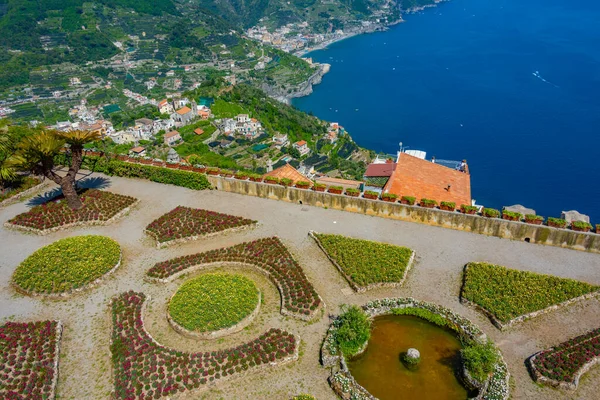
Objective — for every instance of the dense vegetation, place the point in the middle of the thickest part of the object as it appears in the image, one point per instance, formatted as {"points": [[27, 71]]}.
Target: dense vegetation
{"points": [[67, 264], [365, 262], [480, 359], [353, 330], [508, 293]]}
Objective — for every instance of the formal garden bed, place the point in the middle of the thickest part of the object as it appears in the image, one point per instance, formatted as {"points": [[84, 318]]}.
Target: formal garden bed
{"points": [[67, 266], [563, 365], [298, 296], [508, 296], [366, 264], [21, 188], [144, 369], [99, 208], [484, 368], [214, 305], [184, 223], [30, 354]]}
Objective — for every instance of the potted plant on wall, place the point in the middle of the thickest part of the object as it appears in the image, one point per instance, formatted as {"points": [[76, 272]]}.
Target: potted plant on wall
{"points": [[242, 176], [302, 184], [273, 180], [490, 213], [226, 173], [286, 182], [352, 192], [409, 200], [534, 219], [158, 163], [172, 165], [467, 209], [556, 222], [370, 194], [581, 226], [185, 167], [199, 168], [212, 171], [256, 178], [428, 203], [335, 189], [389, 197], [448, 206], [598, 229], [511, 216], [319, 187]]}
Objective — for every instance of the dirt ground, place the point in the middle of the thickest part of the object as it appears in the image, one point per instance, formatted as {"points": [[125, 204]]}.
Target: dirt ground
{"points": [[85, 371]]}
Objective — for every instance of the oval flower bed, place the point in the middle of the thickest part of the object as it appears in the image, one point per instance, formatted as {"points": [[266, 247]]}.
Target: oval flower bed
{"points": [[213, 305], [143, 369], [366, 264], [270, 256], [67, 265], [340, 340], [29, 352], [185, 223], [99, 208], [509, 296], [564, 364]]}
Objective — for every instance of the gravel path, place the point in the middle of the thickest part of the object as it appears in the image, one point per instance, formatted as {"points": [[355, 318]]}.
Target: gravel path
{"points": [[85, 371]]}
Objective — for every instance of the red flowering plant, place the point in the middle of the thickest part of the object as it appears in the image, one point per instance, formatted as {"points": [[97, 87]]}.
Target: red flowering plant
{"points": [[29, 352], [98, 207], [143, 369], [299, 297], [185, 222], [562, 363]]}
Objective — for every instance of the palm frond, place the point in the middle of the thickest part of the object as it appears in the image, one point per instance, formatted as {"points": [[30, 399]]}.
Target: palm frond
{"points": [[77, 138]]}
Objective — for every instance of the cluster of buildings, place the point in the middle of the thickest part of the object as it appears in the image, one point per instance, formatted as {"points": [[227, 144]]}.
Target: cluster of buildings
{"points": [[241, 125], [138, 97], [282, 39]]}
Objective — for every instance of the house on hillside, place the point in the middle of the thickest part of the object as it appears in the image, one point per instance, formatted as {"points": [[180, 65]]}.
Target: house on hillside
{"points": [[417, 177], [138, 151], [280, 140], [332, 137], [377, 175], [172, 138], [302, 147], [164, 107], [198, 131], [183, 116]]}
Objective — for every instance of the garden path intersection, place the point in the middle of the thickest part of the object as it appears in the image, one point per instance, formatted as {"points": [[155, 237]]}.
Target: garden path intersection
{"points": [[436, 277]]}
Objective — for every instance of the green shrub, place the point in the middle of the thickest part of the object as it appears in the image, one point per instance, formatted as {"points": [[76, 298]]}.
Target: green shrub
{"points": [[67, 264], [365, 262], [354, 330], [187, 179], [302, 183], [286, 181], [557, 221], [390, 196], [491, 212], [409, 199], [371, 193], [19, 186], [271, 179], [427, 315], [352, 191], [336, 188], [449, 204], [213, 301], [508, 293], [533, 217], [581, 225], [480, 359], [512, 214], [226, 172], [319, 185], [428, 202], [467, 208]]}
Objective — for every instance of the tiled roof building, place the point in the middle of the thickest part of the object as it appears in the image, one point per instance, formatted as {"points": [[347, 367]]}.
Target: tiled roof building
{"points": [[287, 171]]}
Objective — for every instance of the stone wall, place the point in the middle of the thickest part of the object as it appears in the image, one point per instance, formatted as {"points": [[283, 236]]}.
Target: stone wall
{"points": [[541, 234]]}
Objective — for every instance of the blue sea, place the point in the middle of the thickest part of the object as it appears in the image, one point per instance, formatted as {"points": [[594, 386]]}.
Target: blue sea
{"points": [[511, 86]]}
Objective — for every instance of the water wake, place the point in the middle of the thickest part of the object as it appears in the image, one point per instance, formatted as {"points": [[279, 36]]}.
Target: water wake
{"points": [[537, 75]]}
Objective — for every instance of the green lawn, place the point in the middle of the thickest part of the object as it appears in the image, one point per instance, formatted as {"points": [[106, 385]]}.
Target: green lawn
{"points": [[508, 293], [223, 109]]}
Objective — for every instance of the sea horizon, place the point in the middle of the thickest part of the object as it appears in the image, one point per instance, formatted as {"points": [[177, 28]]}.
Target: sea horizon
{"points": [[511, 88]]}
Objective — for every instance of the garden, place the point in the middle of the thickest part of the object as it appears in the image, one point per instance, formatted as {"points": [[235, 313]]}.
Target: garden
{"points": [[29, 352], [563, 365], [19, 187], [67, 265], [509, 295], [99, 207], [213, 302], [185, 223], [364, 263], [143, 369], [299, 298]]}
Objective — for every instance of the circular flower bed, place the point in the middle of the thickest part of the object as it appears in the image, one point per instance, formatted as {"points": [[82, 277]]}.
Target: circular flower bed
{"points": [[67, 265], [214, 302]]}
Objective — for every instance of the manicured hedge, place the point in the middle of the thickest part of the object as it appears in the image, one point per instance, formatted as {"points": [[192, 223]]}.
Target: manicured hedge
{"points": [[28, 352], [143, 369], [67, 264], [212, 302], [20, 186], [98, 206], [187, 179], [561, 363], [508, 293], [183, 222], [269, 255], [365, 262]]}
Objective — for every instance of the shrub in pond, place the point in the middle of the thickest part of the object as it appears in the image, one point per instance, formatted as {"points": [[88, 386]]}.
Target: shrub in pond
{"points": [[354, 330], [480, 359]]}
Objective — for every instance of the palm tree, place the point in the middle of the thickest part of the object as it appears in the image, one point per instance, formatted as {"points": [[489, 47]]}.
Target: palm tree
{"points": [[7, 143], [36, 154]]}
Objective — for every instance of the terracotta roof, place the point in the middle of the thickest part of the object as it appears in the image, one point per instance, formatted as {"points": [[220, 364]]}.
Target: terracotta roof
{"points": [[424, 179], [339, 182], [184, 110], [198, 131], [386, 169], [171, 134], [287, 171], [301, 143], [138, 149]]}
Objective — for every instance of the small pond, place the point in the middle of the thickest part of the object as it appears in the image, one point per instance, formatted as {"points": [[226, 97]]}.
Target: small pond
{"points": [[380, 371]]}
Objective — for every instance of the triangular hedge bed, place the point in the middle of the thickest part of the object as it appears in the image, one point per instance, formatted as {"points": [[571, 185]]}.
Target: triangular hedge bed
{"points": [[508, 296]]}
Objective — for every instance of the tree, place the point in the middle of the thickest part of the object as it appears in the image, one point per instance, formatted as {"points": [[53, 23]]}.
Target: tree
{"points": [[36, 154]]}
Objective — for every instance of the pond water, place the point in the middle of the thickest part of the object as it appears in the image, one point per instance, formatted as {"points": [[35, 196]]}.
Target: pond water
{"points": [[380, 371]]}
